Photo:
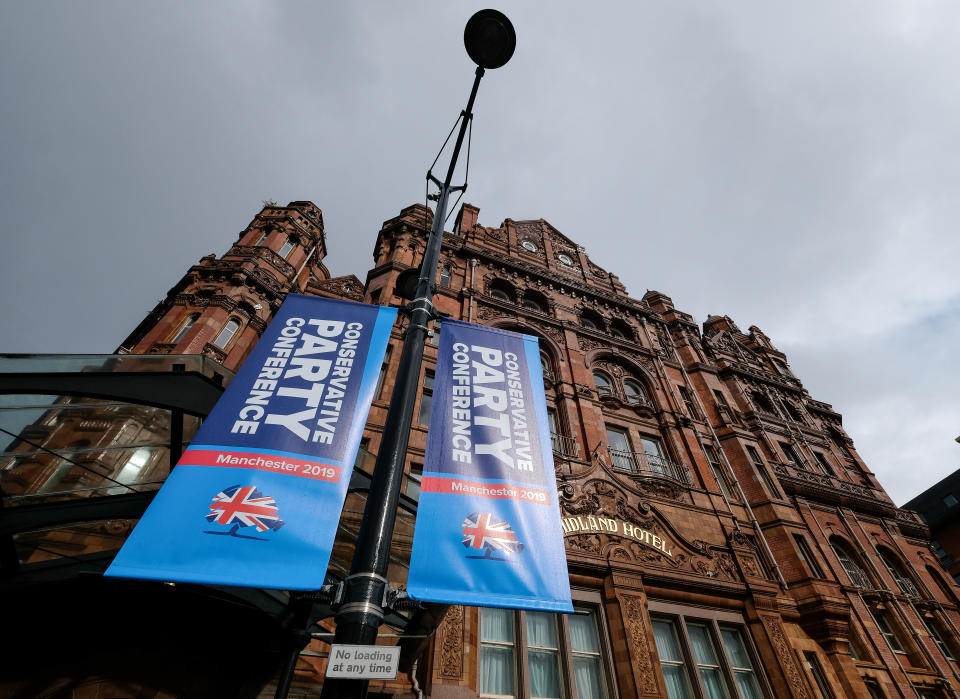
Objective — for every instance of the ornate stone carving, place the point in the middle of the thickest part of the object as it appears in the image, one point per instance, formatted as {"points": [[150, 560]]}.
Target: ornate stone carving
{"points": [[161, 348], [785, 653], [750, 567], [347, 287], [530, 230], [258, 324], [214, 352], [596, 271], [496, 234], [634, 612], [451, 644]]}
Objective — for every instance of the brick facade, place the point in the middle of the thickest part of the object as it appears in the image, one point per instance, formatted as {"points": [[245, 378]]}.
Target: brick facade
{"points": [[701, 486]]}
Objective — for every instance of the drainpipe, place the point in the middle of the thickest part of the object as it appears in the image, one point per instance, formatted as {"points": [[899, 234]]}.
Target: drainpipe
{"points": [[473, 269]]}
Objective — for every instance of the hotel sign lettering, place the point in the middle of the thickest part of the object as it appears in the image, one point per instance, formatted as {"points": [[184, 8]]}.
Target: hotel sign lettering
{"points": [[589, 524]]}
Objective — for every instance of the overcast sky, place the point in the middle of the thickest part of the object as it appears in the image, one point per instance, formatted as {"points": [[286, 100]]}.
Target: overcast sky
{"points": [[791, 165]]}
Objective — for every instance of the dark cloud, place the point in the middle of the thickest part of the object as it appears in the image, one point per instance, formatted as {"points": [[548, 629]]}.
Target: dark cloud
{"points": [[790, 165]]}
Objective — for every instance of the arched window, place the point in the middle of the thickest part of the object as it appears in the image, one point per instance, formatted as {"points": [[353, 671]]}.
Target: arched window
{"points": [[285, 250], [634, 393], [590, 321], [856, 574], [500, 289], [948, 594], [620, 330], [546, 365], [229, 330], [534, 302], [185, 328], [903, 580], [603, 383]]}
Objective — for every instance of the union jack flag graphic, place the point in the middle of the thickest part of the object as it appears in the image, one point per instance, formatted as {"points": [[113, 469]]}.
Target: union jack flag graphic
{"points": [[244, 506], [483, 531]]}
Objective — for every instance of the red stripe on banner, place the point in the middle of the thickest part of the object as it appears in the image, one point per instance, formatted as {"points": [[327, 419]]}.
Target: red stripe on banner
{"points": [[261, 462], [494, 491]]}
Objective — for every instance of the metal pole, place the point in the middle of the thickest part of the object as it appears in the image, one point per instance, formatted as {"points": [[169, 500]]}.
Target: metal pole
{"points": [[361, 613]]}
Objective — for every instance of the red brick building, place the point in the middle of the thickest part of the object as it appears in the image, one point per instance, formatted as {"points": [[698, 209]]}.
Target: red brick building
{"points": [[723, 536]]}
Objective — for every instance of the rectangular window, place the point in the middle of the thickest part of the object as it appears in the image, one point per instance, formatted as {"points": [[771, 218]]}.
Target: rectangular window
{"points": [[883, 624], [559, 650], [688, 402], [823, 463], [718, 473], [435, 333], [934, 631], [543, 655], [497, 653], [820, 679], [761, 470], [790, 454], [726, 414], [587, 656], [705, 655], [672, 664], [740, 662], [620, 452], [426, 399], [384, 367], [285, 249], [807, 556], [413, 481]]}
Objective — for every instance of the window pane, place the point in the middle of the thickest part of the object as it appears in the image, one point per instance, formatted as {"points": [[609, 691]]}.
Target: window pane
{"points": [[676, 680], [602, 383], [285, 250], [544, 674], [186, 327], [651, 447], [712, 683], [747, 685], [666, 640], [541, 630], [224, 337], [496, 625], [702, 645], [586, 674], [736, 650], [583, 633], [496, 670], [426, 400], [496, 652]]}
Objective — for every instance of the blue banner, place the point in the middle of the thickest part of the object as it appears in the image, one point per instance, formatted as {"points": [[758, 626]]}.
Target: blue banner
{"points": [[488, 523], [256, 498]]}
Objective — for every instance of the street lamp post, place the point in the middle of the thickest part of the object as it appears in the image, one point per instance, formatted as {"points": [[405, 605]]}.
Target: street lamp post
{"points": [[489, 39]]}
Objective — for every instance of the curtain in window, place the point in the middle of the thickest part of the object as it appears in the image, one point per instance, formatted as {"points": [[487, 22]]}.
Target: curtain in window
{"points": [[586, 673], [671, 660], [676, 682], [496, 670], [587, 670], [742, 666], [542, 656], [496, 652], [708, 665], [583, 633]]}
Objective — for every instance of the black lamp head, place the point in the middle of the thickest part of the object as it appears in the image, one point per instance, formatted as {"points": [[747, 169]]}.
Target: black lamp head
{"points": [[489, 39]]}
